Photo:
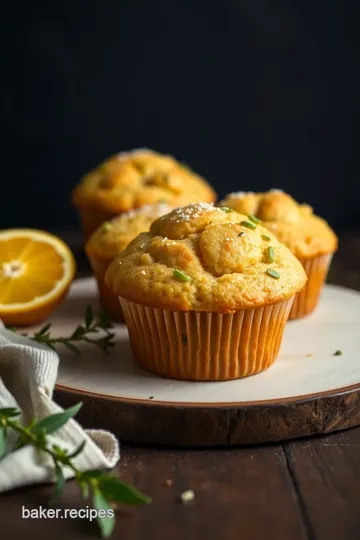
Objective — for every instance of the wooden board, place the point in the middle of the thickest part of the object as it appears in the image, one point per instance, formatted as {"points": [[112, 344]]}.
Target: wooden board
{"points": [[307, 391]]}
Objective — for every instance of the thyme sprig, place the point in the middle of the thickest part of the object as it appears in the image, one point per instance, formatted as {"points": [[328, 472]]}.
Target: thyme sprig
{"points": [[105, 489], [83, 332]]}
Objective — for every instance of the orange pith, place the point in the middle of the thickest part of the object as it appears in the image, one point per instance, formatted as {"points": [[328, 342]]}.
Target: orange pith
{"points": [[36, 270]]}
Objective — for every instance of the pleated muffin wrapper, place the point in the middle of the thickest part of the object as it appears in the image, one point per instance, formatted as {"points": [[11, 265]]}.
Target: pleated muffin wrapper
{"points": [[203, 346], [109, 302], [306, 301]]}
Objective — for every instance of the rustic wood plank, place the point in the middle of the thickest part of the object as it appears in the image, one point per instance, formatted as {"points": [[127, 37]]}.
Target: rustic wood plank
{"points": [[238, 494], [326, 474]]}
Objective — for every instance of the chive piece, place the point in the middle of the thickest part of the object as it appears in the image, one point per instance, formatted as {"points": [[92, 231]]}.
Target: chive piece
{"points": [[271, 254], [241, 233], [184, 339], [254, 219], [180, 275], [272, 273], [226, 209], [248, 224], [106, 227], [338, 353], [151, 397], [266, 237], [185, 166]]}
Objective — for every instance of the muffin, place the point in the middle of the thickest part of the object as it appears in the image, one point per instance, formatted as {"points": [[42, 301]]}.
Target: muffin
{"points": [[307, 235], [206, 294], [110, 239], [132, 179]]}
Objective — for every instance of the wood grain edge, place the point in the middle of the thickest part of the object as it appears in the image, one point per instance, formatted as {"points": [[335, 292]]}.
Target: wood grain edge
{"points": [[208, 426]]}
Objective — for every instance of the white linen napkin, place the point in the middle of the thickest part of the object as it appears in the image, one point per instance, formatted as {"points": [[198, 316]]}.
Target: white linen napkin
{"points": [[28, 372]]}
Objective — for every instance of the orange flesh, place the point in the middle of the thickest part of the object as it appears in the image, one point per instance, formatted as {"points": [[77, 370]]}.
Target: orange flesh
{"points": [[39, 269]]}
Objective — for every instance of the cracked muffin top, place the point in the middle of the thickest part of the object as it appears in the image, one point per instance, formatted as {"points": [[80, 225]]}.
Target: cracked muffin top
{"points": [[205, 258], [139, 177], [114, 235], [304, 233]]}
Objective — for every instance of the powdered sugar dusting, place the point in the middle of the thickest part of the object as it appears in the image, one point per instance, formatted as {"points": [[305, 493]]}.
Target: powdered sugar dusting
{"points": [[239, 194], [152, 210], [192, 211], [122, 156]]}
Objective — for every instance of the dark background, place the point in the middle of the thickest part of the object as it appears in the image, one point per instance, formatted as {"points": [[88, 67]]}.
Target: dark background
{"points": [[252, 94]]}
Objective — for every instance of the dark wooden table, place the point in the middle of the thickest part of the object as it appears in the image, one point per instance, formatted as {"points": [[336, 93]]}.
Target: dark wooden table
{"points": [[305, 489]]}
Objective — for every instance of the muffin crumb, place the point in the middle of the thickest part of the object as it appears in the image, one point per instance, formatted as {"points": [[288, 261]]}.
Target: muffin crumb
{"points": [[187, 496]]}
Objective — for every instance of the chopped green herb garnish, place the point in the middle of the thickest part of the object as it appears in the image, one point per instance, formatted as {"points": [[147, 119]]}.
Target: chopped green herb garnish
{"points": [[241, 233], [226, 209], [271, 254], [185, 166], [248, 224], [254, 219], [184, 339], [338, 353], [178, 274], [266, 237], [106, 227], [151, 397], [272, 273]]}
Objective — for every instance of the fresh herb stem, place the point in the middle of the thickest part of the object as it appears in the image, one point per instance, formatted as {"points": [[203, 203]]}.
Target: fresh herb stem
{"points": [[107, 489], [82, 333]]}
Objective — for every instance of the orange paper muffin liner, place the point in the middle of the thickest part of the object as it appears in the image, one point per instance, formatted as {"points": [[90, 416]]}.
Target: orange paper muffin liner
{"points": [[108, 301], [203, 346], [306, 300]]}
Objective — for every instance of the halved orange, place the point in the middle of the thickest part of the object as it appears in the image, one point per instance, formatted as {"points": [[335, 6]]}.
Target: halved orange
{"points": [[36, 271]]}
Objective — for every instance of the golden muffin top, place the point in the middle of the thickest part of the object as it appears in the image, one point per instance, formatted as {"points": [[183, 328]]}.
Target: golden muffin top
{"points": [[114, 235], [294, 224], [203, 258], [132, 179]]}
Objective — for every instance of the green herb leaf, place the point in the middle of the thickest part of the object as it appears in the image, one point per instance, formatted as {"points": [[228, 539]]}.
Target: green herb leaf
{"points": [[78, 450], [3, 441], [266, 237], [272, 273], [115, 490], [9, 412], [178, 274], [106, 227], [104, 321], [59, 486], [89, 316], [270, 254], [248, 224], [241, 234], [338, 353], [254, 219], [226, 209], [44, 329], [185, 166], [107, 523], [54, 422], [73, 348], [84, 490], [88, 475]]}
